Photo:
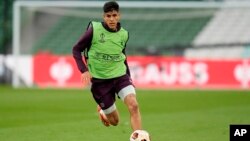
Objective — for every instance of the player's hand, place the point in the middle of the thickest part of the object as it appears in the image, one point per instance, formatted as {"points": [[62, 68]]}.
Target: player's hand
{"points": [[86, 78]]}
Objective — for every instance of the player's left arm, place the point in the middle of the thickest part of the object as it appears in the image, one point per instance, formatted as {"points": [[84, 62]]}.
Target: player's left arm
{"points": [[126, 63], [128, 71], [124, 52]]}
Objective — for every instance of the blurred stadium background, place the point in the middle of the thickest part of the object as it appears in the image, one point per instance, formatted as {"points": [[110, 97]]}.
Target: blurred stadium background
{"points": [[200, 30], [202, 46]]}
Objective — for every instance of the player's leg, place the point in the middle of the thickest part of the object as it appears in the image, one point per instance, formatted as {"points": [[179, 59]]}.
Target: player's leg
{"points": [[112, 115], [104, 96], [128, 95], [102, 116], [109, 115], [133, 108]]}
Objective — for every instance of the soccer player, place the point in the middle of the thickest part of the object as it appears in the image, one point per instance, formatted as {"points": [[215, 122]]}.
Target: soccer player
{"points": [[103, 44]]}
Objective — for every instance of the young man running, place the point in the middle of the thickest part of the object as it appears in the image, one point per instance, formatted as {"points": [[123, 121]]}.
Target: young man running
{"points": [[104, 46]]}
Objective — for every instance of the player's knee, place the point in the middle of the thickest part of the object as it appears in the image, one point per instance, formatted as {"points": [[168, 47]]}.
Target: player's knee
{"points": [[113, 118], [133, 106], [114, 121]]}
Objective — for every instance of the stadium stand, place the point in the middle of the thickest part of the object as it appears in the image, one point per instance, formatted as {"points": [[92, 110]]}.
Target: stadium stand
{"points": [[164, 34], [6, 32], [5, 24], [1, 26], [229, 30], [165, 31], [228, 26]]}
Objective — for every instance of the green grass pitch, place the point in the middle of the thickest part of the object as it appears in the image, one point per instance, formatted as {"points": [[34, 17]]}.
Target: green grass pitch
{"points": [[70, 115]]}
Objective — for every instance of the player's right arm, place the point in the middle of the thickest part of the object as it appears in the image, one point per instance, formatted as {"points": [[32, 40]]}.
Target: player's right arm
{"points": [[86, 77], [83, 43]]}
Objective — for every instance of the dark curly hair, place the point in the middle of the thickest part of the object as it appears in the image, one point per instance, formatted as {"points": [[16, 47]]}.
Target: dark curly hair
{"points": [[110, 6]]}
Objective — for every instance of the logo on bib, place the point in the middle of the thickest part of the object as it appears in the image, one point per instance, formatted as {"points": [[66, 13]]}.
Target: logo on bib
{"points": [[102, 36]]}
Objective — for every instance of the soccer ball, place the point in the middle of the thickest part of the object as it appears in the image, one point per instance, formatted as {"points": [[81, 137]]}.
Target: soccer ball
{"points": [[140, 135]]}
